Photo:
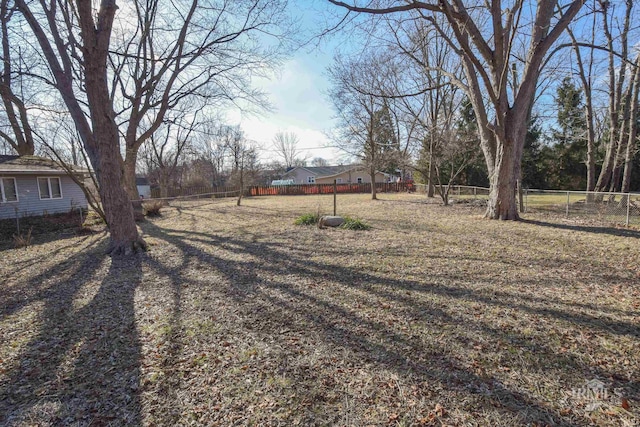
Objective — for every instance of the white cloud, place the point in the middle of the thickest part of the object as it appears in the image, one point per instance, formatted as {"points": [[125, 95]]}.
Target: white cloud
{"points": [[301, 107]]}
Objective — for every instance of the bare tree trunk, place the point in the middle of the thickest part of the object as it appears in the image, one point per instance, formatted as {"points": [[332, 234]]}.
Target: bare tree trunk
{"points": [[241, 185], [586, 76], [22, 140], [486, 65], [443, 190], [633, 129], [100, 136], [164, 184], [628, 161], [372, 172], [502, 201], [115, 200], [108, 163], [504, 169], [616, 174], [129, 177], [74, 152], [591, 137], [520, 196], [432, 171], [607, 165], [129, 181], [615, 96]]}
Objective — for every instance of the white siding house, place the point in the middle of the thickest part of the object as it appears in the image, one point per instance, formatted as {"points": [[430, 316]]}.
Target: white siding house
{"points": [[144, 189], [344, 174], [31, 185]]}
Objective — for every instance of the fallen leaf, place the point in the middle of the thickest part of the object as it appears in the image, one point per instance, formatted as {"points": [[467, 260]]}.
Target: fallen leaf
{"points": [[439, 410], [625, 404]]}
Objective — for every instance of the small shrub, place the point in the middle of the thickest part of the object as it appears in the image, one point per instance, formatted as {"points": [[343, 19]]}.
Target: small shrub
{"points": [[20, 241], [152, 208], [308, 219], [354, 224]]}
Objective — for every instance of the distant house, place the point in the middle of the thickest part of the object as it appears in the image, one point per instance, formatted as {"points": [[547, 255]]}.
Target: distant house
{"points": [[267, 176], [144, 188], [277, 182], [31, 185], [343, 174]]}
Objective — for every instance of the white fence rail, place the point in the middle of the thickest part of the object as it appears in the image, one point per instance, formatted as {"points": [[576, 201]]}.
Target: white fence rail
{"points": [[597, 207]]}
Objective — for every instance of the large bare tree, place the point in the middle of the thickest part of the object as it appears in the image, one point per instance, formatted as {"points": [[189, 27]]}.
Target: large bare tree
{"points": [[166, 148], [189, 54], [16, 129], [426, 93], [211, 150], [242, 156], [365, 129], [490, 37], [285, 145], [606, 63], [74, 38]]}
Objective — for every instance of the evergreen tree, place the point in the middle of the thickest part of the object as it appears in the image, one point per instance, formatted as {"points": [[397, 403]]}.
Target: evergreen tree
{"points": [[467, 128], [569, 171], [385, 142], [534, 158]]}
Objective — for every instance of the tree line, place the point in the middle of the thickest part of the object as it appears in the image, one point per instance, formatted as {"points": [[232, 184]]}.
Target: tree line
{"points": [[504, 93], [105, 78], [473, 92]]}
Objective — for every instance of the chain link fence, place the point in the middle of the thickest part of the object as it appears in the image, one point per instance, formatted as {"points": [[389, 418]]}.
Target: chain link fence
{"points": [[602, 208], [599, 208]]}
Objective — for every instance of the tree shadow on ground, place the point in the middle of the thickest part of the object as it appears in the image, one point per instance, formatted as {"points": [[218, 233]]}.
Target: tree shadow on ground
{"points": [[43, 229], [81, 367], [267, 302], [612, 231], [44, 285]]}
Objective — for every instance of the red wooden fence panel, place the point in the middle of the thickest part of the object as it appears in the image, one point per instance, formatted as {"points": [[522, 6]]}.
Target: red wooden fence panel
{"points": [[283, 190], [300, 189]]}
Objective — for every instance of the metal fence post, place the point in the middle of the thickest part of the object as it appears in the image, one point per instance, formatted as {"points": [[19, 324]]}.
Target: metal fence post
{"points": [[568, 204], [335, 193]]}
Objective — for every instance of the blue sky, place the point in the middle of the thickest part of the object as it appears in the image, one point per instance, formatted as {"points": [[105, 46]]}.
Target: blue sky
{"points": [[298, 91], [300, 106]]}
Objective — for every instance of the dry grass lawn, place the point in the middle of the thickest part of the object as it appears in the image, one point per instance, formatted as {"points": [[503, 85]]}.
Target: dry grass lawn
{"points": [[238, 317]]}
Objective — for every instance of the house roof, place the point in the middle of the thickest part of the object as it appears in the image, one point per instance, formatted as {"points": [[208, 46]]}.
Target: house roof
{"points": [[33, 165], [142, 180], [321, 171]]}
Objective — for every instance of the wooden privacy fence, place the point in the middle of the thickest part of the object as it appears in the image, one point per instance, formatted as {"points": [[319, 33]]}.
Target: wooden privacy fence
{"points": [[214, 192], [283, 190], [291, 190]]}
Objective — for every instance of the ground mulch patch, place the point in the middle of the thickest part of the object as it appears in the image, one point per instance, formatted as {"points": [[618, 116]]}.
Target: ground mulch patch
{"points": [[235, 316], [46, 228]]}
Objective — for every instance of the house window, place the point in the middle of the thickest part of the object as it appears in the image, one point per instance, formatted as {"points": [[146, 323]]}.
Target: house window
{"points": [[49, 188], [311, 180], [339, 181], [359, 180], [8, 190]]}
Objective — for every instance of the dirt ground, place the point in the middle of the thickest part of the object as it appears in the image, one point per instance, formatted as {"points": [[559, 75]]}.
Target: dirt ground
{"points": [[236, 316]]}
